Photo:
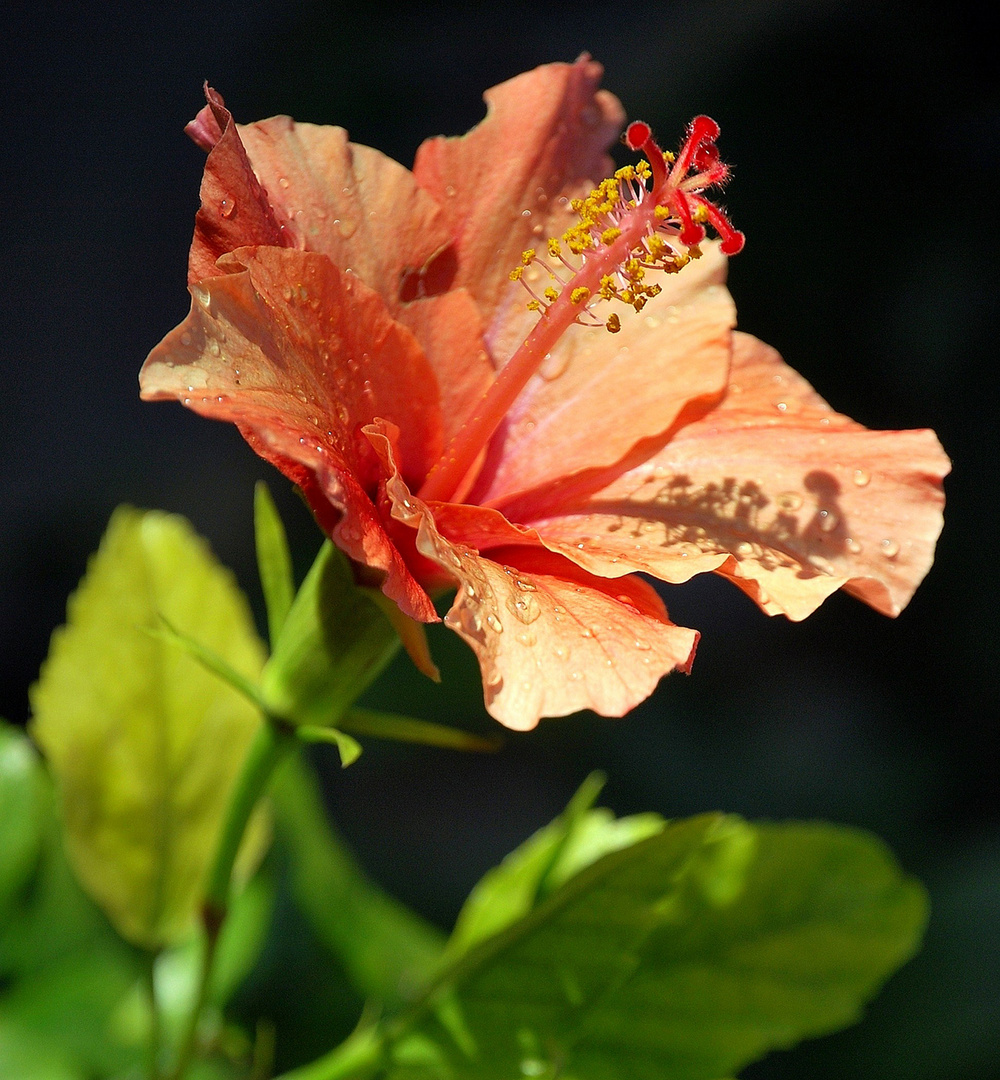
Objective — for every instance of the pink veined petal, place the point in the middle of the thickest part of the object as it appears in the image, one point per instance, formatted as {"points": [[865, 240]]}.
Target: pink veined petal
{"points": [[774, 490], [300, 357], [551, 639], [544, 131], [598, 394]]}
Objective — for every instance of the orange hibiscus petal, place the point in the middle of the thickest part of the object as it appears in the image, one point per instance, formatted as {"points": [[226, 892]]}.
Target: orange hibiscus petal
{"points": [[350, 202], [369, 215], [544, 131], [775, 491], [234, 209], [551, 639], [599, 394], [300, 356], [449, 328]]}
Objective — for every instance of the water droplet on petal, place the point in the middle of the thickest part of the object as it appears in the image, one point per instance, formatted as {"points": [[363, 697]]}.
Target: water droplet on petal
{"points": [[781, 406], [744, 547], [227, 208], [852, 546], [185, 338], [828, 520], [494, 623], [526, 637], [214, 347], [450, 191], [283, 182], [889, 548], [861, 477]]}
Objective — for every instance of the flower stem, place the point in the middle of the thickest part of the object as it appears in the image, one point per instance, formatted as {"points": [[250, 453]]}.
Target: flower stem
{"points": [[153, 1048], [273, 741]]}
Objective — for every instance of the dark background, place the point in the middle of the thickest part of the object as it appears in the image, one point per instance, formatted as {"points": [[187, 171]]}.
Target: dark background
{"points": [[865, 143]]}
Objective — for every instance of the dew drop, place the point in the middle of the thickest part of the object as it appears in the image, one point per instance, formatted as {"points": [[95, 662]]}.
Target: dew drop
{"points": [[561, 652], [744, 547], [553, 366], [781, 406], [494, 623], [852, 546], [861, 477], [346, 226], [642, 646], [287, 293], [576, 676], [790, 500], [185, 338], [828, 520], [526, 213], [526, 637], [889, 548], [652, 322], [283, 182], [450, 191], [533, 1067], [214, 347], [227, 208], [587, 632], [470, 590], [524, 585]]}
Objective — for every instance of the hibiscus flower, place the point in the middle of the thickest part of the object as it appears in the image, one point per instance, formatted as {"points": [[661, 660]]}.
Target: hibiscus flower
{"points": [[368, 330]]}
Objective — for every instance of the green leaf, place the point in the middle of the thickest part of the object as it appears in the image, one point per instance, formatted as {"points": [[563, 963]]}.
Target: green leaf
{"points": [[576, 838], [143, 742], [684, 956], [274, 561], [387, 725], [22, 813], [332, 645], [387, 950]]}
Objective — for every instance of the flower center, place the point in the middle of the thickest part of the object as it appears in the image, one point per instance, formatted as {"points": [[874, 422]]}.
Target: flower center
{"points": [[625, 229]]}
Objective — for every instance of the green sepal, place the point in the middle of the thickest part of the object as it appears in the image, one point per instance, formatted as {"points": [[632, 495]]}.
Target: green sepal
{"points": [[274, 561], [387, 725], [350, 749], [333, 643]]}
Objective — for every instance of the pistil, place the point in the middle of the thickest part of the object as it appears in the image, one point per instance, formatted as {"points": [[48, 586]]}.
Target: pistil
{"points": [[624, 229]]}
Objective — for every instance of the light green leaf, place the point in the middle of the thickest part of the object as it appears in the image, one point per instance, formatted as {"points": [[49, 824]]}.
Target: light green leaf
{"points": [[22, 812], [387, 725], [274, 561], [143, 742], [333, 643], [684, 956], [387, 950]]}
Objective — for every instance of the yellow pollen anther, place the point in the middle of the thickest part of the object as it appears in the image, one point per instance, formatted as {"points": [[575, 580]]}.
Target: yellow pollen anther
{"points": [[580, 295], [661, 213], [700, 215], [609, 236], [551, 295], [515, 274], [614, 324], [669, 157], [527, 256], [554, 249], [534, 305]]}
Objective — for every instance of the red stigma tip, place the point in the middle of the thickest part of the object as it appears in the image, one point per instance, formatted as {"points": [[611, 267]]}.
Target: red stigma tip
{"points": [[703, 127], [637, 134]]}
